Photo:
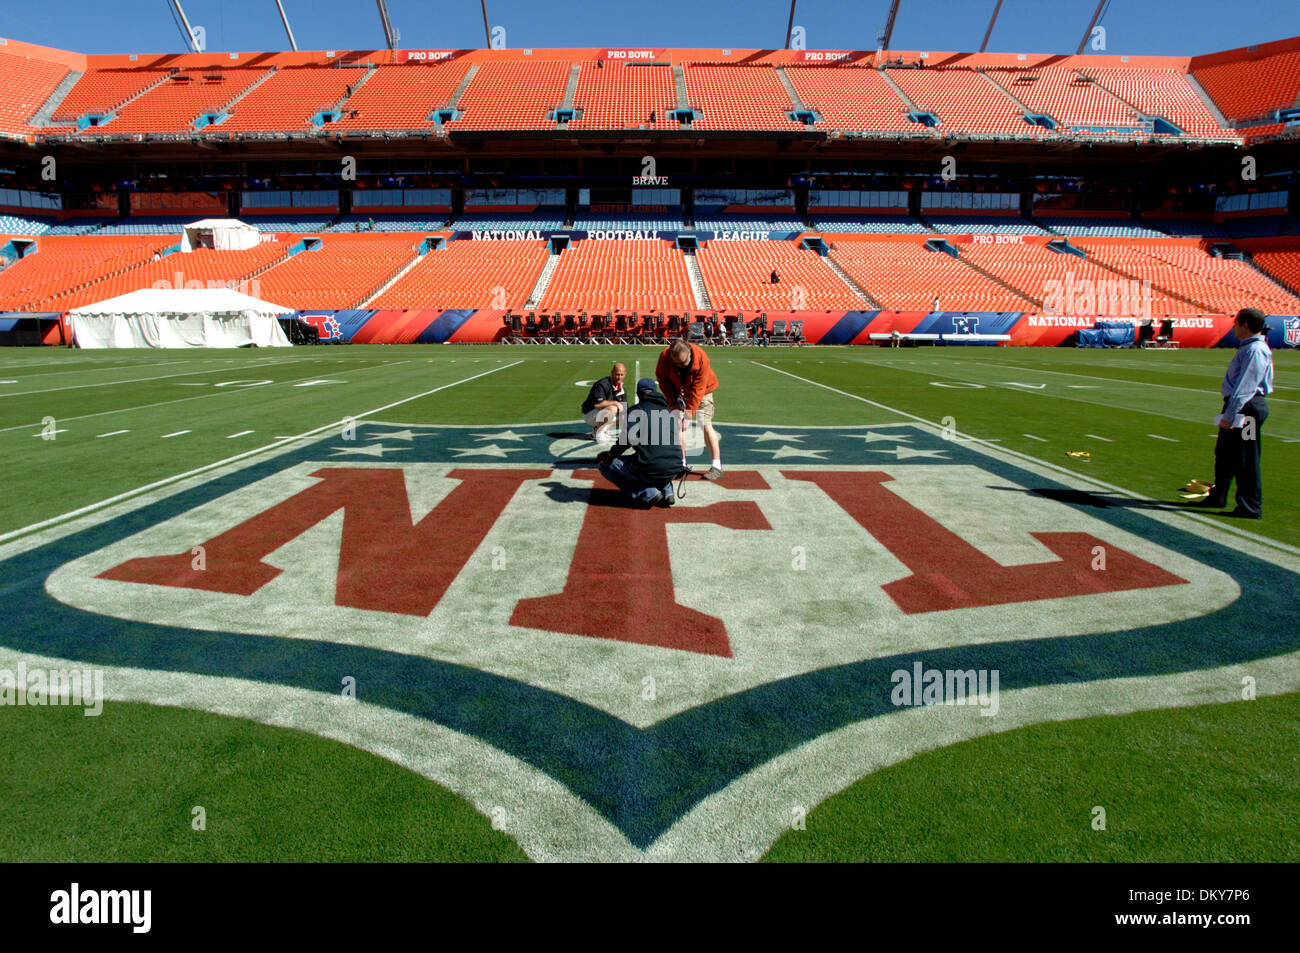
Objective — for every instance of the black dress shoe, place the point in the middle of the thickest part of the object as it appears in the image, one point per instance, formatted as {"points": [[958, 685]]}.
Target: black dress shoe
{"points": [[1239, 513]]}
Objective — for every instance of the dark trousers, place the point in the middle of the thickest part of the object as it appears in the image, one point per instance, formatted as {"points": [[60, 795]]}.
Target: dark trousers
{"points": [[1238, 458]]}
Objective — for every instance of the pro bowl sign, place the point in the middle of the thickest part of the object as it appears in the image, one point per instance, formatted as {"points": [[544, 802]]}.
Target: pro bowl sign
{"points": [[477, 604]]}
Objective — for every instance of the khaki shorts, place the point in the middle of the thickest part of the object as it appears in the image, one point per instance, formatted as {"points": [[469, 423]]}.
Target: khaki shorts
{"points": [[704, 415]]}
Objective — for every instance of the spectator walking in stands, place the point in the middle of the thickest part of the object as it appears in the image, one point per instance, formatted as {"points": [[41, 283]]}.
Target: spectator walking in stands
{"points": [[776, 279], [1241, 421], [688, 382], [935, 305]]}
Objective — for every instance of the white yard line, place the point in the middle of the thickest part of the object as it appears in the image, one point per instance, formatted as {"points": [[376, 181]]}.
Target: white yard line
{"points": [[1156, 436], [176, 434], [242, 433], [1102, 439], [111, 433], [1032, 437], [1109, 380], [181, 400], [1074, 474], [142, 380], [90, 508]]}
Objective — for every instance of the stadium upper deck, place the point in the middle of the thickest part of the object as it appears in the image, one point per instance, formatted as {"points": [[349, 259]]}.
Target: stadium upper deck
{"points": [[1232, 97]]}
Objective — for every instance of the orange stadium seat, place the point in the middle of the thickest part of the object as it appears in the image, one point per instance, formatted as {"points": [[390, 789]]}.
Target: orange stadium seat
{"points": [[205, 266], [467, 274], [342, 273], [62, 265], [636, 274], [100, 91], [25, 84], [907, 277], [1059, 94], [401, 97], [513, 95], [1282, 265], [173, 106], [1162, 92], [738, 275], [739, 97], [1253, 86], [1030, 268], [851, 97], [289, 99], [622, 95], [964, 101], [1220, 285]]}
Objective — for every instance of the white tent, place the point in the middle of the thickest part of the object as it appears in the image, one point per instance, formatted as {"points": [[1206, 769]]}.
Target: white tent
{"points": [[220, 233], [173, 317]]}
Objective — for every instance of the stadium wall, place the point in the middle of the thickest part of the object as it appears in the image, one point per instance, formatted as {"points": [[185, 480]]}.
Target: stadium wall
{"points": [[819, 327]]}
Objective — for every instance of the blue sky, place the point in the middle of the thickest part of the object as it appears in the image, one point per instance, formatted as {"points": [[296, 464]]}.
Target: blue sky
{"points": [[1159, 27]]}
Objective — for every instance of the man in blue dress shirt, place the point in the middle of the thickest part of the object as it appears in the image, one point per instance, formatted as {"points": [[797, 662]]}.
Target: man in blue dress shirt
{"points": [[1236, 454]]}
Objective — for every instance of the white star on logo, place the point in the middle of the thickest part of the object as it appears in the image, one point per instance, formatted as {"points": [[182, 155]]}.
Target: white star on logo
{"points": [[374, 450], [785, 450], [491, 450], [878, 437], [503, 435], [907, 453], [396, 435], [770, 435]]}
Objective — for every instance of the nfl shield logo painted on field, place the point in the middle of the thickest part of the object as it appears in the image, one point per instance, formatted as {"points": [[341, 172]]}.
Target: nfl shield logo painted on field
{"points": [[512, 625]]}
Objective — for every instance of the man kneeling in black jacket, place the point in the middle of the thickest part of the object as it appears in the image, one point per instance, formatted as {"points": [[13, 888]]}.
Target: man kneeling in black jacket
{"points": [[653, 433]]}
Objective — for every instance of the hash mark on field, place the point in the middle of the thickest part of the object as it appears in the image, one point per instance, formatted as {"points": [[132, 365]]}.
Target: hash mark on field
{"points": [[1032, 437], [1102, 439], [176, 434], [111, 433], [1157, 436], [242, 433]]}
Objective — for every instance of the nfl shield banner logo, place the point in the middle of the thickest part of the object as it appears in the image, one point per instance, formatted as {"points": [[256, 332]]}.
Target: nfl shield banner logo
{"points": [[1293, 332]]}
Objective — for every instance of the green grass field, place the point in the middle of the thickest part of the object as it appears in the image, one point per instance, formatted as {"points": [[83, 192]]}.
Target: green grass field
{"points": [[82, 430]]}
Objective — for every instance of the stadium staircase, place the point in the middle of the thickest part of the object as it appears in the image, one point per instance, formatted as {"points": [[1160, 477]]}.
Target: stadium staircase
{"points": [[1176, 295], [679, 83], [1006, 92], [1135, 113], [848, 280], [698, 288], [252, 86], [795, 101], [44, 115], [901, 95], [543, 281], [453, 103], [114, 110], [396, 277], [1283, 285], [371, 69], [1210, 104]]}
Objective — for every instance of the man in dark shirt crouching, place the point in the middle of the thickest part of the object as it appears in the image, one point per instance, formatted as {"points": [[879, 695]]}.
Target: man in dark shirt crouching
{"points": [[653, 434]]}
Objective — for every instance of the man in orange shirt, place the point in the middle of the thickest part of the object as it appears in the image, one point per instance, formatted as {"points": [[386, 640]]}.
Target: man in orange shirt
{"points": [[688, 382]]}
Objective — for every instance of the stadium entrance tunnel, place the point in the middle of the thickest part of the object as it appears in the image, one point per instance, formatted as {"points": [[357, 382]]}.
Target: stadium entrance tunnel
{"points": [[442, 116], [18, 248], [557, 243], [212, 119], [924, 118], [433, 243], [815, 243], [688, 243], [92, 120], [684, 116], [324, 116], [943, 245], [1062, 246], [1040, 119], [1162, 127], [808, 117]]}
